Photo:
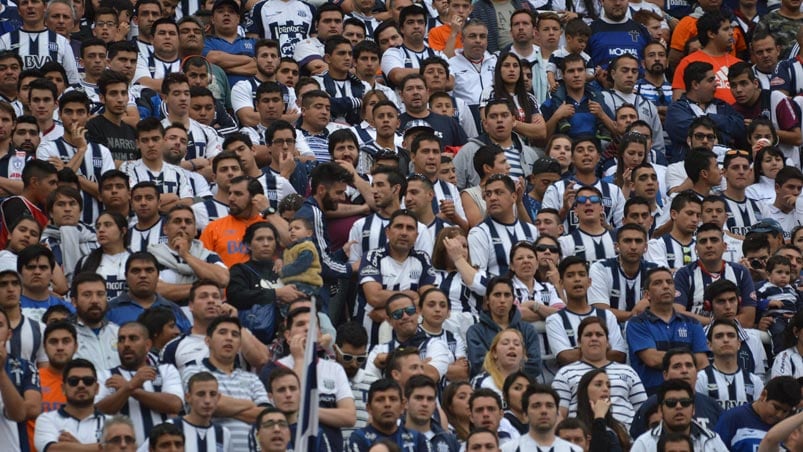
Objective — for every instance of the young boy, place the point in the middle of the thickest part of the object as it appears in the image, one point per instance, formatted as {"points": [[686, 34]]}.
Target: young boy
{"points": [[302, 264], [441, 103], [577, 34], [779, 298]]}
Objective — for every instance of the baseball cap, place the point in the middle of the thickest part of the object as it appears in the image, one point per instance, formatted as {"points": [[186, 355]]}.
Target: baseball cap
{"points": [[767, 225], [418, 125], [232, 3]]}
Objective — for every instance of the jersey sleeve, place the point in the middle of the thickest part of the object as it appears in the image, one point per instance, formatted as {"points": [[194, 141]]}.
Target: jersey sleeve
{"points": [[171, 381], [142, 68], [682, 286], [45, 433], [556, 335], [561, 385], [439, 356], [393, 58], [369, 271], [553, 198], [241, 96], [656, 253], [615, 338], [185, 189], [46, 150], [479, 247], [600, 290]]}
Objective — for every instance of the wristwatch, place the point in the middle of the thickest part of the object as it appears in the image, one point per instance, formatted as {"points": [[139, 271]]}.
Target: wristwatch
{"points": [[268, 211]]}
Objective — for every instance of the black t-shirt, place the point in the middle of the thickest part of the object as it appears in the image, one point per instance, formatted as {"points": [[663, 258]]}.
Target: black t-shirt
{"points": [[121, 140], [446, 128]]}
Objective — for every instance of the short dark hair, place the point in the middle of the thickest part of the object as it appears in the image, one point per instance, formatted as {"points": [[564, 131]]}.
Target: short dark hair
{"points": [[200, 377], [352, 333], [484, 392], [66, 191], [217, 321], [709, 22], [568, 261], [327, 174], [149, 125], [277, 373], [786, 174], [538, 389], [651, 272], [74, 97], [697, 161], [113, 174], [83, 278], [681, 385], [276, 126], [140, 256], [165, 429], [396, 356], [342, 136], [381, 385], [718, 288], [784, 389], [155, 318], [725, 322], [682, 199], [695, 73], [673, 437], [365, 46], [486, 155], [419, 381], [334, 41], [58, 326], [77, 363], [172, 78], [671, 353], [32, 253], [110, 77]]}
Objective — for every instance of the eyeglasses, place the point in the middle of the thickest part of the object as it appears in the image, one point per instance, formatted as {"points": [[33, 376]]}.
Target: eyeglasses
{"points": [[594, 199], [87, 381], [704, 136], [348, 357], [274, 424], [551, 248], [672, 403], [283, 141], [106, 24], [120, 439], [399, 313]]}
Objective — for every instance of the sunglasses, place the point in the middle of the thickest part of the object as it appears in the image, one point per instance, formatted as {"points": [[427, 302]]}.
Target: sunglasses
{"points": [[593, 198], [672, 403], [87, 381], [348, 357], [737, 152], [704, 136], [551, 248], [120, 439], [399, 313]]}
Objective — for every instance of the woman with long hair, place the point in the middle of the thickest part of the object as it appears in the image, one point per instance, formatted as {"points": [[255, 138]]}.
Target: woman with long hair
{"points": [[768, 162], [509, 83], [536, 300], [631, 153], [512, 390], [455, 405], [458, 279], [559, 147], [109, 258], [506, 355], [593, 408]]}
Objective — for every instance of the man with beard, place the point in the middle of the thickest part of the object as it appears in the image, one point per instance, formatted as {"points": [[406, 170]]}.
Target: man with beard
{"points": [[184, 259], [245, 93], [96, 335], [282, 162], [328, 24], [415, 97], [385, 405], [765, 54], [176, 140], [60, 347], [10, 68], [754, 102], [109, 128], [541, 403], [201, 433], [153, 67], [624, 71], [345, 88], [149, 394], [224, 236], [368, 233], [654, 86], [76, 422], [392, 269], [142, 277], [351, 347]]}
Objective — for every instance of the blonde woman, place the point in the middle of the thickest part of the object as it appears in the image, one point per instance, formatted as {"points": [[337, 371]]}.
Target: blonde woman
{"points": [[505, 357]]}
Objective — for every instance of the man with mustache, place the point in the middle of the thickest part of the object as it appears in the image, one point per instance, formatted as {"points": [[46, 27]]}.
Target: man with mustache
{"points": [[654, 86], [96, 334], [76, 422], [150, 394]]}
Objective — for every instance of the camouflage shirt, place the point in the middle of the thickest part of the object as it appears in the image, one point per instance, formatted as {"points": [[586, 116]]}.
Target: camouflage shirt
{"points": [[783, 28]]}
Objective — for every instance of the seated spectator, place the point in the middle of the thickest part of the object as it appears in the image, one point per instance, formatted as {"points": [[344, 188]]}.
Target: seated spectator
{"points": [[504, 357]]}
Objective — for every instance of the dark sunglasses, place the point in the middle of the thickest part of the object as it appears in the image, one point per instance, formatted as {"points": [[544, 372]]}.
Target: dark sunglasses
{"points": [[348, 357], [672, 403], [399, 313], [593, 198], [551, 248], [87, 381]]}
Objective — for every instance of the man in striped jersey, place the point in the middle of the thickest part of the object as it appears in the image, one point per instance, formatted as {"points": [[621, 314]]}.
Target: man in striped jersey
{"points": [[490, 241], [425, 150], [351, 353], [149, 395], [561, 194], [692, 279], [244, 96], [166, 437], [38, 45], [10, 67], [676, 248], [225, 167], [627, 391], [283, 389], [368, 233], [153, 67], [592, 240], [616, 282], [25, 338], [146, 12], [87, 159], [201, 433], [725, 380], [742, 211], [316, 122], [42, 102]]}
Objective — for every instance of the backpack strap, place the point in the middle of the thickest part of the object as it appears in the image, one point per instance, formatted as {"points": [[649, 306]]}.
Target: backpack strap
{"points": [[713, 389], [577, 237], [567, 326]]}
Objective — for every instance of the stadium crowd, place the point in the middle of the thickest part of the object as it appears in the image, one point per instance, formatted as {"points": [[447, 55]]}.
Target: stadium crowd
{"points": [[510, 225]]}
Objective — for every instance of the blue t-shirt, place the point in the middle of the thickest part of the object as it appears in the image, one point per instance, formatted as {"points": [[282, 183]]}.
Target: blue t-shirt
{"points": [[240, 46], [35, 309], [646, 331], [741, 429]]}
